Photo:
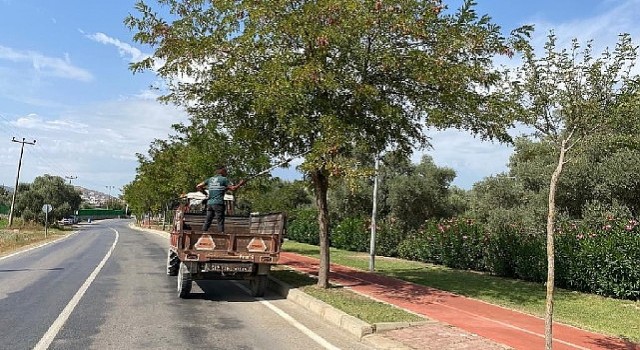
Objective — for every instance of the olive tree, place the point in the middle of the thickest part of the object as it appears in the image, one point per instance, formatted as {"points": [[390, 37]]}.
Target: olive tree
{"points": [[322, 77], [47, 189], [421, 195]]}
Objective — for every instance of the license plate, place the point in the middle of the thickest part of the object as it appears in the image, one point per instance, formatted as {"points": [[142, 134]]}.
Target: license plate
{"points": [[224, 267]]}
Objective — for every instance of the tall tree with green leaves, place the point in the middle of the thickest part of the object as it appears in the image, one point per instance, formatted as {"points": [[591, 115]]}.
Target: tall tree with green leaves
{"points": [[174, 166], [570, 97], [327, 76]]}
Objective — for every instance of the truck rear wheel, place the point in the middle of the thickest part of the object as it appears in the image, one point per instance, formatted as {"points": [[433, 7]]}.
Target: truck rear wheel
{"points": [[173, 263], [258, 285], [184, 281]]}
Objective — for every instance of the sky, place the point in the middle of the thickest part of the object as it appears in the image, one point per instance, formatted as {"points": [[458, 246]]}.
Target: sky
{"points": [[65, 83]]}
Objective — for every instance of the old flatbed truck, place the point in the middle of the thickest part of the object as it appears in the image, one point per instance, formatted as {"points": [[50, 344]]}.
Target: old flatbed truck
{"points": [[245, 251]]}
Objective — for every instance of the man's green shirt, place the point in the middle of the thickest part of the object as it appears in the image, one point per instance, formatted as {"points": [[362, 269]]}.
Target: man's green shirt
{"points": [[217, 186]]}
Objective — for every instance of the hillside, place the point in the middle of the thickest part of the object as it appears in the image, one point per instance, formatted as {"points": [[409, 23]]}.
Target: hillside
{"points": [[93, 197]]}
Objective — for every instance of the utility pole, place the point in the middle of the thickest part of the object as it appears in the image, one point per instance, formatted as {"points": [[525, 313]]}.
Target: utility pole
{"points": [[374, 212], [70, 178], [15, 189], [108, 198]]}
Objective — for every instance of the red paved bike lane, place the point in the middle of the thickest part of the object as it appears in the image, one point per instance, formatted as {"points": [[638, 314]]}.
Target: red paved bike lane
{"points": [[508, 327]]}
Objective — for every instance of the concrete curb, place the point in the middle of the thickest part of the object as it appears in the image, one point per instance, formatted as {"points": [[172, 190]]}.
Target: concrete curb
{"points": [[150, 230], [332, 315], [339, 318]]}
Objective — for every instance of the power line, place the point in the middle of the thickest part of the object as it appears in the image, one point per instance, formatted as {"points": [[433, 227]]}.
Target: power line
{"points": [[43, 159], [15, 190], [8, 122]]}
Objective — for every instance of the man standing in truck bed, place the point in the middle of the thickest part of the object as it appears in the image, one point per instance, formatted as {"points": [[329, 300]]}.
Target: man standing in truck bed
{"points": [[217, 185]]}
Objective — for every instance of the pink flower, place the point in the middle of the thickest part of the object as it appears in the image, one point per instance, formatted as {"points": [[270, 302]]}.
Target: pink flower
{"points": [[606, 227], [579, 236]]}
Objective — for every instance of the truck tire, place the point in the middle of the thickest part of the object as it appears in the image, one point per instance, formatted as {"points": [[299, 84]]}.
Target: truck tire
{"points": [[184, 281], [259, 285], [173, 263]]}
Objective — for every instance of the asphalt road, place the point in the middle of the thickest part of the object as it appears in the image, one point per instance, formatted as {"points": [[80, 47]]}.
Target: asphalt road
{"points": [[105, 287]]}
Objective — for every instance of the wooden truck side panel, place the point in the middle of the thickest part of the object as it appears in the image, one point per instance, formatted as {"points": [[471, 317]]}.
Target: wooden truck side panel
{"points": [[255, 239]]}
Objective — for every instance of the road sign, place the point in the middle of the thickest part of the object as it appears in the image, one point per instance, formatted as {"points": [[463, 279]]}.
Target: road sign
{"points": [[47, 208]]}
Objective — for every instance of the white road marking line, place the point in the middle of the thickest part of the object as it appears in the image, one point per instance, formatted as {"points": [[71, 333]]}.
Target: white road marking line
{"points": [[48, 337], [318, 339], [38, 246]]}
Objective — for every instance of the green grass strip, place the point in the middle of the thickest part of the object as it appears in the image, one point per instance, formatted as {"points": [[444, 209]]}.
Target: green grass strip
{"points": [[351, 303], [619, 318]]}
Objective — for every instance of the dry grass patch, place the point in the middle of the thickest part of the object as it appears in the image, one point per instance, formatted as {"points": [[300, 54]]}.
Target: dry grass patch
{"points": [[26, 234]]}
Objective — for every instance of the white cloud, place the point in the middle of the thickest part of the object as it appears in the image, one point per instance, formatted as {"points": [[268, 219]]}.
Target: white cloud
{"points": [[471, 158], [33, 121], [620, 17], [53, 66], [135, 55], [148, 95], [127, 51], [97, 143]]}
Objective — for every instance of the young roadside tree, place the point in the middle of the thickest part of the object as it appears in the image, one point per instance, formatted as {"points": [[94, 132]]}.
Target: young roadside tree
{"points": [[568, 97], [323, 77]]}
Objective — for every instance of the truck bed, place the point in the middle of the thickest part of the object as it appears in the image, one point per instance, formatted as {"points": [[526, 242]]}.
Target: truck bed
{"points": [[254, 239]]}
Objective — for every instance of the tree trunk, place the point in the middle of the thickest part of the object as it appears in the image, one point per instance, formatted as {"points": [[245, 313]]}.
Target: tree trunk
{"points": [[321, 185], [548, 316]]}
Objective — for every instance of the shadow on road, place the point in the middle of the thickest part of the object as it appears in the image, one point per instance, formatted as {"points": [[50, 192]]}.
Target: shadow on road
{"points": [[23, 270]]}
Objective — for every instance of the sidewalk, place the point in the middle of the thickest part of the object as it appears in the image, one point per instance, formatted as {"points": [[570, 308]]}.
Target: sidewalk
{"points": [[462, 323]]}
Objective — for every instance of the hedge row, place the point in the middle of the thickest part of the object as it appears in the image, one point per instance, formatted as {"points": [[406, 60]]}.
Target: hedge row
{"points": [[350, 234], [603, 260]]}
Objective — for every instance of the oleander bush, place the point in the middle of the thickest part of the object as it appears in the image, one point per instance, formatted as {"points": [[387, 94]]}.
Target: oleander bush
{"points": [[600, 257], [389, 235], [302, 226], [352, 234], [603, 260]]}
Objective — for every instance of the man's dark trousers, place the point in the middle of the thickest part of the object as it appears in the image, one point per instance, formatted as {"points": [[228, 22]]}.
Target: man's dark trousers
{"points": [[216, 210]]}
